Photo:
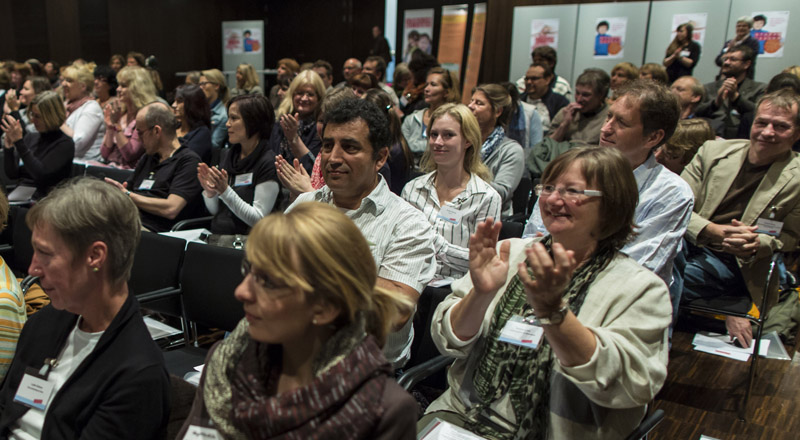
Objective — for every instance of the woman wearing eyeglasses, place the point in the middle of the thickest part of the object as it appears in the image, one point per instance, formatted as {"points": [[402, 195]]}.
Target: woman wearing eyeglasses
{"points": [[306, 361], [557, 337]]}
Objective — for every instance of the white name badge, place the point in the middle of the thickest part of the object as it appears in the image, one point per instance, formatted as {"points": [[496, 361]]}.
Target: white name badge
{"points": [[519, 332], [34, 392], [146, 184], [199, 433], [243, 179], [685, 53], [769, 227], [450, 214]]}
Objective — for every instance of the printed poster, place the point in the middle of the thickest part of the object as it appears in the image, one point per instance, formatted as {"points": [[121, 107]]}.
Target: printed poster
{"points": [[769, 28], [609, 42], [451, 38], [475, 51], [242, 41], [544, 32], [417, 32], [698, 21]]}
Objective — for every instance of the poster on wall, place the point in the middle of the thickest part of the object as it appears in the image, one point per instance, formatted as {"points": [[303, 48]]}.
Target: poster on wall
{"points": [[609, 42], [698, 21], [769, 28], [451, 38], [417, 32], [241, 40], [475, 50], [544, 32]]}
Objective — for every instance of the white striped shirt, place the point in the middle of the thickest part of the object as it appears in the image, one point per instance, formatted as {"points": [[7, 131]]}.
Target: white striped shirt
{"points": [[401, 241], [477, 202]]}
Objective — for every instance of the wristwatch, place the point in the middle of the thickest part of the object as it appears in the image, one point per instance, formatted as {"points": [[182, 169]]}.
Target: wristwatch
{"points": [[554, 318]]}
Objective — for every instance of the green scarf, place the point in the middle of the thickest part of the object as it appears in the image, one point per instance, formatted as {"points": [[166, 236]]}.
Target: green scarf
{"points": [[523, 373]]}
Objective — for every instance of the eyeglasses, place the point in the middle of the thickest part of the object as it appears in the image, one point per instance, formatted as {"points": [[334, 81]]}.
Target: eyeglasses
{"points": [[533, 78], [202, 83], [732, 59], [568, 194]]}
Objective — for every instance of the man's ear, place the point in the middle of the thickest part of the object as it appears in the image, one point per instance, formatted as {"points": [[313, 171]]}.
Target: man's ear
{"points": [[383, 156], [654, 138]]}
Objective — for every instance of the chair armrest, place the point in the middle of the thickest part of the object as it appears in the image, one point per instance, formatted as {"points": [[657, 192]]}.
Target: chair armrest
{"points": [[417, 373], [192, 223], [27, 282]]}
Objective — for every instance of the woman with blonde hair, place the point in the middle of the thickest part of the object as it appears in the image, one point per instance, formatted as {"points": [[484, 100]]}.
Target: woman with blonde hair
{"points": [[441, 87], [491, 105], [681, 147], [247, 81], [455, 194], [213, 83], [84, 116], [295, 132], [40, 160], [121, 145], [655, 72], [308, 351], [622, 74]]}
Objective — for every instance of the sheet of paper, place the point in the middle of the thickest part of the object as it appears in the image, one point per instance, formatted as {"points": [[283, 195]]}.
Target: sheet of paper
{"points": [[160, 330], [715, 343], [441, 282], [446, 431], [189, 234], [722, 352], [199, 368]]}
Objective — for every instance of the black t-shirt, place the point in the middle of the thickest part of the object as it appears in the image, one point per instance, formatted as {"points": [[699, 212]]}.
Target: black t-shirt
{"points": [[176, 175], [677, 69], [261, 162]]}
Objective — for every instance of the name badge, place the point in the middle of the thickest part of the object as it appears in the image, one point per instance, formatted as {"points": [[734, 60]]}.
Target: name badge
{"points": [[518, 332], [243, 179], [450, 214], [685, 53], [34, 391], [146, 184], [769, 227], [198, 432]]}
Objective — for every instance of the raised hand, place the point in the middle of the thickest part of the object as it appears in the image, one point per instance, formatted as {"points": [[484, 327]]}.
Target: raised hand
{"points": [[293, 176], [488, 269], [551, 276]]}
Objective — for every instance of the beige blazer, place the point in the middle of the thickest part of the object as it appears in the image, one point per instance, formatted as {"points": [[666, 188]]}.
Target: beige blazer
{"points": [[710, 175]]}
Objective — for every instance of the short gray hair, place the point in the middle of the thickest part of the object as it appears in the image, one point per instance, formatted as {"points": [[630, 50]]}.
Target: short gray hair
{"points": [[745, 19], [158, 113], [84, 210]]}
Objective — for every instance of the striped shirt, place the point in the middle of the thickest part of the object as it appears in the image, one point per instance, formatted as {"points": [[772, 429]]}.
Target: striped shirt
{"points": [[477, 202], [401, 241], [12, 316]]}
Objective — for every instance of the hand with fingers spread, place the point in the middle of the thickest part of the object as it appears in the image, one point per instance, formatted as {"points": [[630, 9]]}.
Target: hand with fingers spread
{"points": [[13, 130], [551, 276], [488, 269], [289, 124], [293, 176], [213, 180]]}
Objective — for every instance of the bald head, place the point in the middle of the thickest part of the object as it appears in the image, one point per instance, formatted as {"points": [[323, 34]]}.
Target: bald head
{"points": [[351, 67], [160, 114]]}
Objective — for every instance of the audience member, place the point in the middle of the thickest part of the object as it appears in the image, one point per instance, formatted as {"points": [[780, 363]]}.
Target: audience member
{"points": [[247, 81], [539, 93], [732, 95], [84, 122], [690, 92], [355, 146], [19, 73], [12, 303], [121, 145], [104, 374], [548, 55], [135, 59], [193, 77], [283, 88], [441, 87], [401, 78], [376, 66], [679, 150], [412, 98], [380, 46], [215, 87], [644, 117], [779, 81], [245, 181], [361, 82], [524, 122], [454, 194], [400, 160], [52, 72], [742, 39], [18, 106], [622, 74], [683, 53], [737, 184], [105, 85], [588, 298], [581, 120], [655, 72], [295, 134], [287, 68], [164, 185], [309, 351], [351, 67], [503, 156], [194, 115], [117, 62], [43, 158], [325, 71]]}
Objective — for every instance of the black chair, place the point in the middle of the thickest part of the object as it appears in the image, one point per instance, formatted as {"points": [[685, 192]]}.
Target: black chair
{"points": [[117, 174], [21, 241], [193, 223], [740, 306], [520, 198], [511, 229], [78, 169]]}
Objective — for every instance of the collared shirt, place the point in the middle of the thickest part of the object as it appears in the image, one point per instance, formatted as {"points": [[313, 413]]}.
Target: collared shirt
{"points": [[585, 127], [662, 216], [542, 110], [473, 205], [219, 117], [401, 241], [561, 86]]}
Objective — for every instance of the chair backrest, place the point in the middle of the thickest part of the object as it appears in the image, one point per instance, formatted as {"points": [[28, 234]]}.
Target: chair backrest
{"points": [[423, 348], [78, 169], [117, 174], [522, 194], [21, 239], [157, 263], [511, 229], [209, 277]]}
